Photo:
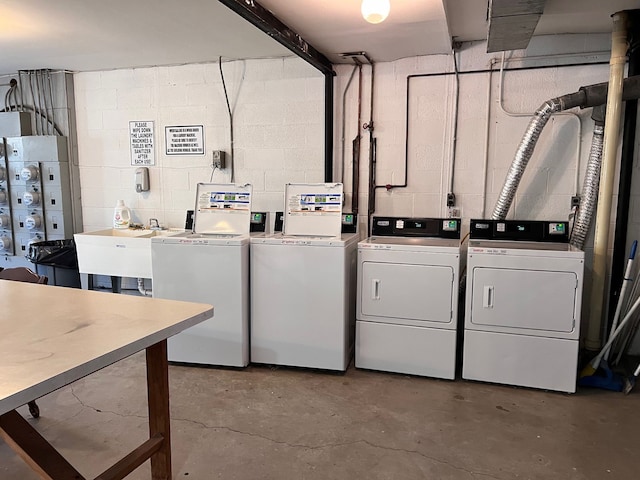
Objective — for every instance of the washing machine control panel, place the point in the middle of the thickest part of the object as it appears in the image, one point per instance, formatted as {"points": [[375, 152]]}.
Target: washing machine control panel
{"points": [[258, 222], [520, 230]]}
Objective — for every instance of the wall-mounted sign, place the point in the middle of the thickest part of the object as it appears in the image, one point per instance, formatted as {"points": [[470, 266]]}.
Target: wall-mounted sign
{"points": [[142, 143], [184, 140]]}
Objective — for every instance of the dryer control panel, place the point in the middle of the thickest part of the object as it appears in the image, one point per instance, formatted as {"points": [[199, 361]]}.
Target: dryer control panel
{"points": [[520, 230], [416, 227]]}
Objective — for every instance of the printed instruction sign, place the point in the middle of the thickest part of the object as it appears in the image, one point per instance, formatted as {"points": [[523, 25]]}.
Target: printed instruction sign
{"points": [[226, 201], [315, 203], [141, 135], [184, 140], [222, 209], [313, 209]]}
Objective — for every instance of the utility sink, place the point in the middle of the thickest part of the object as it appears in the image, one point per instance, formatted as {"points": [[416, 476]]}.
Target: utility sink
{"points": [[118, 253]]}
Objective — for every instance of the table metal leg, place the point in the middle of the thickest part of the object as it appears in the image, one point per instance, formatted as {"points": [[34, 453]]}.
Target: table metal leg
{"points": [[158, 398]]}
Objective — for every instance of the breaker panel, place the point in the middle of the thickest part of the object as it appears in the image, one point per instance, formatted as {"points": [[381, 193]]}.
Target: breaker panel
{"points": [[38, 192], [6, 233]]}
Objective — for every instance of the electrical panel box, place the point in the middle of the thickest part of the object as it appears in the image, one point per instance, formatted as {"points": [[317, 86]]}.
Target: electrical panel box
{"points": [[35, 195], [219, 159], [6, 232], [15, 124]]}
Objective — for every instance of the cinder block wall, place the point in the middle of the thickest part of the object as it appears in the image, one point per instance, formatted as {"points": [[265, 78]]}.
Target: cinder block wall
{"points": [[278, 107]]}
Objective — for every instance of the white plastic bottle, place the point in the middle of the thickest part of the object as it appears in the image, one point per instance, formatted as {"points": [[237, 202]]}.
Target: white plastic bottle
{"points": [[121, 216]]}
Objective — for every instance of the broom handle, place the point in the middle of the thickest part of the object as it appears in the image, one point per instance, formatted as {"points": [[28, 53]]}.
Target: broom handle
{"points": [[625, 283], [612, 337]]}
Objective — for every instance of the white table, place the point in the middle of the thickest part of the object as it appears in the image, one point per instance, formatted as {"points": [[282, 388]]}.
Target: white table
{"points": [[53, 336]]}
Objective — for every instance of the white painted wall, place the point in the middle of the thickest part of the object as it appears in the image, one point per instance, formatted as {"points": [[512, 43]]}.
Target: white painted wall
{"points": [[550, 180], [279, 133]]}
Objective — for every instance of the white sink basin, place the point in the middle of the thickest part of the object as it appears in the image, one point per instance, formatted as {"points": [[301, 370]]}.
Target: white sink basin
{"points": [[120, 253]]}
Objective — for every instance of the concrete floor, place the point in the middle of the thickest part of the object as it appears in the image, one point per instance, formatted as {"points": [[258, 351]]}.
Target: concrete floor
{"points": [[264, 423]]}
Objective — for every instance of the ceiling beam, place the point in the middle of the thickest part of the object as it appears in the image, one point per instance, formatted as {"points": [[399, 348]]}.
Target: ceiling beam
{"points": [[512, 23], [262, 18]]}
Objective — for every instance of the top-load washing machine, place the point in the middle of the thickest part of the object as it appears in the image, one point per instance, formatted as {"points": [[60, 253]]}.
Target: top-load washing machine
{"points": [[523, 302], [408, 278], [210, 265], [303, 283]]}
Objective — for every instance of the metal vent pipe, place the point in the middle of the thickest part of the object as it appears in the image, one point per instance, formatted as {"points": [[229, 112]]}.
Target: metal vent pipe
{"points": [[587, 96], [589, 196], [618, 60]]}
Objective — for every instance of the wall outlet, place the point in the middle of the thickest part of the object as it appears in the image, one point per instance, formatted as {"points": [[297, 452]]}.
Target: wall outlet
{"points": [[218, 160], [451, 199], [455, 212]]}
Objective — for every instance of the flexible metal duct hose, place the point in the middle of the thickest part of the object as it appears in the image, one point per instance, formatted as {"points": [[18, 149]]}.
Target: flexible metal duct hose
{"points": [[523, 155], [590, 187]]}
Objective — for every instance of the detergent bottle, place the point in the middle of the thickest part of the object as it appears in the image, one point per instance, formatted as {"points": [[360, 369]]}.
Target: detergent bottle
{"points": [[121, 216]]}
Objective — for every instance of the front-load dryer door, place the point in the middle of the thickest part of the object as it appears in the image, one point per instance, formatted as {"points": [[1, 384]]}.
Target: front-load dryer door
{"points": [[402, 291], [510, 300]]}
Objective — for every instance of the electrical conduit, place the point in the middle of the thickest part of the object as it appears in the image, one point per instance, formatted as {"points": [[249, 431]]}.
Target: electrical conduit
{"points": [[611, 137]]}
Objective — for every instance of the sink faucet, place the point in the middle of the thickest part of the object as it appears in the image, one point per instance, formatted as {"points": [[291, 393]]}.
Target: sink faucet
{"points": [[154, 225]]}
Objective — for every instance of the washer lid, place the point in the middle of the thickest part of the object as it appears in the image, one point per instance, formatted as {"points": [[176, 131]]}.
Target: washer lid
{"points": [[313, 209], [343, 240], [188, 238], [222, 209]]}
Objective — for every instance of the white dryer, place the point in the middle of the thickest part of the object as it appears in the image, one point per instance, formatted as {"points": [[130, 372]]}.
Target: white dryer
{"points": [[407, 301], [303, 284], [523, 302], [211, 266]]}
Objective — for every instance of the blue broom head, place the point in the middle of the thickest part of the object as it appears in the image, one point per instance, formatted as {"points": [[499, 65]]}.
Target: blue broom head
{"points": [[603, 378]]}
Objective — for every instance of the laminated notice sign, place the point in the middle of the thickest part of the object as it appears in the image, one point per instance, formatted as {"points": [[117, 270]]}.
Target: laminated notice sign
{"points": [[313, 209], [314, 203], [184, 139], [141, 136], [222, 209]]}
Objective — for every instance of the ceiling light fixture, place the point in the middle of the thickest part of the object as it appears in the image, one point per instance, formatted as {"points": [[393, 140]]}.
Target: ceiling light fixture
{"points": [[375, 11]]}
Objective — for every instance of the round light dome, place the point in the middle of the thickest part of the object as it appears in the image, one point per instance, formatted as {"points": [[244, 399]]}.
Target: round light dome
{"points": [[375, 11]]}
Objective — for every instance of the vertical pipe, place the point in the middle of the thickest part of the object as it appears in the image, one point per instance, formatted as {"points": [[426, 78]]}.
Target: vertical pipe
{"points": [[372, 152], [355, 197], [33, 101], [53, 110], [21, 109], [487, 134], [41, 116], [626, 168], [343, 123], [611, 138], [328, 127]]}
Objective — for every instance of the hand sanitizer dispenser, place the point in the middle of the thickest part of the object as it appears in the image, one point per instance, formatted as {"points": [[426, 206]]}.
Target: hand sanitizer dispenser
{"points": [[142, 179]]}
